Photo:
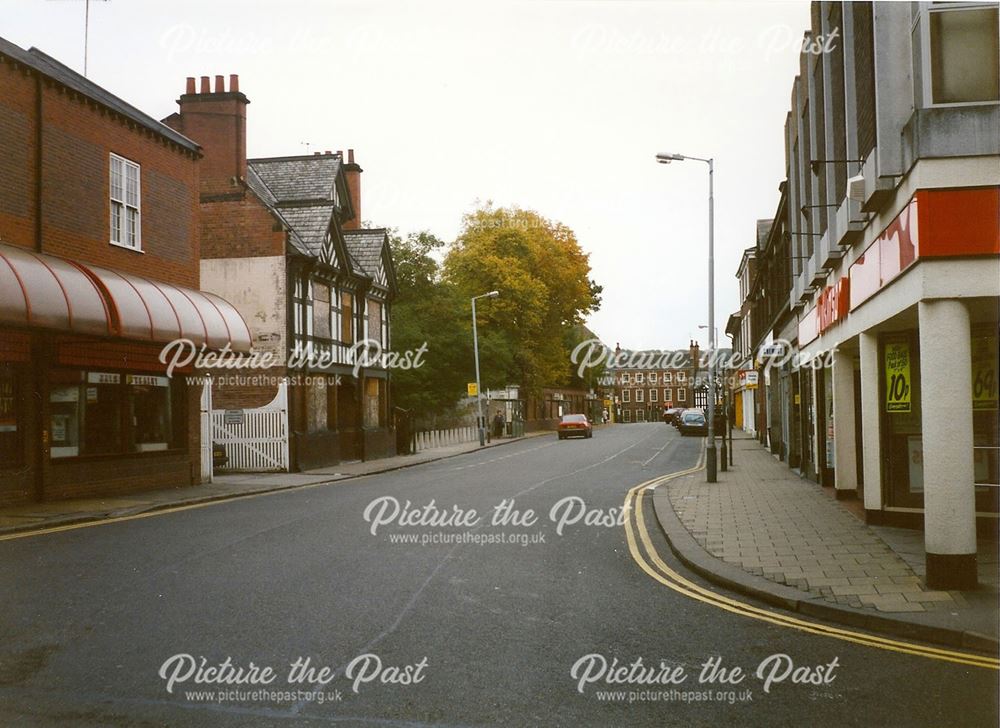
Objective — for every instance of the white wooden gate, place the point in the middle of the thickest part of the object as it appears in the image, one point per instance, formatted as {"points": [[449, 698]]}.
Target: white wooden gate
{"points": [[256, 440], [205, 420]]}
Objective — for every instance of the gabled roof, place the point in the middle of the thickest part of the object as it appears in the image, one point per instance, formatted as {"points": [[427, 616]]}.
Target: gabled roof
{"points": [[63, 74], [370, 249], [300, 192], [299, 180]]}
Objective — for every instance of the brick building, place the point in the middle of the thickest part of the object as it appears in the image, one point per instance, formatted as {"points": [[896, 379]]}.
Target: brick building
{"points": [[643, 392], [281, 238], [99, 267]]}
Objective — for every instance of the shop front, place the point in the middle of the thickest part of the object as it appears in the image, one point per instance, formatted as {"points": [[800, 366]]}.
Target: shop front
{"points": [[86, 406]]}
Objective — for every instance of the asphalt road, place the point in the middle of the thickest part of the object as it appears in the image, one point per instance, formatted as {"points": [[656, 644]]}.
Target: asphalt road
{"points": [[96, 622]]}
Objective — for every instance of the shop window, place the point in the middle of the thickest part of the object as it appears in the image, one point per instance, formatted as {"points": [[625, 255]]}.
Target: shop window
{"points": [[11, 419], [101, 413], [149, 412], [899, 403]]}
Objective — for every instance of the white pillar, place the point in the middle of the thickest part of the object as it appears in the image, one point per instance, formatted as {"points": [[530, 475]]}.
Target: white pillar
{"points": [[946, 407], [844, 455], [871, 424]]}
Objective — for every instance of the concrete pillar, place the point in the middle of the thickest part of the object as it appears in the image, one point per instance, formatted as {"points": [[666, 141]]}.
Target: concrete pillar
{"points": [[946, 406], [844, 454], [871, 424]]}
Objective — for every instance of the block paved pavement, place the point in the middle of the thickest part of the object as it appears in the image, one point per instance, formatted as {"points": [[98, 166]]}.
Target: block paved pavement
{"points": [[762, 517]]}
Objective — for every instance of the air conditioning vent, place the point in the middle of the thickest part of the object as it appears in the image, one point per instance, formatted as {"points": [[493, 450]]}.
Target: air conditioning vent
{"points": [[856, 188]]}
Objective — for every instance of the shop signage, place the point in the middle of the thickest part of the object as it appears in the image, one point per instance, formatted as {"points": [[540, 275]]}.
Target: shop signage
{"points": [[750, 379], [984, 373], [103, 378], [472, 388], [897, 377], [147, 380], [833, 304], [772, 351]]}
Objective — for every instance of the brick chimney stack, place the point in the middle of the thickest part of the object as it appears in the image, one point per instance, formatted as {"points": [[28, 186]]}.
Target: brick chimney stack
{"points": [[217, 120], [352, 173]]}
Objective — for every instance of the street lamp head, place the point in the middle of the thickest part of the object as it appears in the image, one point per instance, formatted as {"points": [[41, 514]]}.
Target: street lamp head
{"points": [[668, 157], [493, 294]]}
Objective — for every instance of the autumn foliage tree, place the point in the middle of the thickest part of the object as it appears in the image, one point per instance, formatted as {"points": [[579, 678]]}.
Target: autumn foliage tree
{"points": [[545, 288]]}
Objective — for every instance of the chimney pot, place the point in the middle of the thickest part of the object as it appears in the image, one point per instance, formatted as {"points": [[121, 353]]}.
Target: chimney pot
{"points": [[220, 86], [350, 156], [205, 88], [317, 153], [234, 82], [327, 152], [190, 85], [340, 153]]}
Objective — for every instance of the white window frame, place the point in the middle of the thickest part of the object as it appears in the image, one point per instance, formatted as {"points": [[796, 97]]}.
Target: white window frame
{"points": [[126, 164], [681, 395], [652, 378], [654, 395], [639, 394], [625, 379], [638, 378], [626, 415], [625, 395], [668, 394], [640, 415], [925, 53]]}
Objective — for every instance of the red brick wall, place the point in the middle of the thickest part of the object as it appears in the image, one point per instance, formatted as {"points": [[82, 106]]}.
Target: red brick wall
{"points": [[77, 141], [239, 229], [218, 122], [17, 140]]}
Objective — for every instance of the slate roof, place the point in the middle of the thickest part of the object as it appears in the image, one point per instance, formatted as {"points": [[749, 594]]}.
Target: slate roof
{"points": [[365, 247], [298, 190], [61, 73], [310, 224], [298, 179]]}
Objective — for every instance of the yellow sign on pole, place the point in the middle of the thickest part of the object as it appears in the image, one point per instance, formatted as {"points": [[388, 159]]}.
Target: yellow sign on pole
{"points": [[897, 377], [984, 373], [473, 389]]}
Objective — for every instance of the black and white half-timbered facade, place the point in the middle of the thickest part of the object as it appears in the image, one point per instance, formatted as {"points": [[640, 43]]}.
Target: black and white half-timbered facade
{"points": [[340, 286]]}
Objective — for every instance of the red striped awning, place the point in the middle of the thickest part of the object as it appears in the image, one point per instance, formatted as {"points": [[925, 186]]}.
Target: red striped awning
{"points": [[40, 290]]}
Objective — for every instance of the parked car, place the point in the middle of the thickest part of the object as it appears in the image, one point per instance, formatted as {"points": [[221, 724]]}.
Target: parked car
{"points": [[671, 413], [575, 426], [693, 422], [676, 421]]}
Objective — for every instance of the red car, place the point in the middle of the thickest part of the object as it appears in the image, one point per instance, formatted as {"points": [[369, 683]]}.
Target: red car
{"points": [[575, 426]]}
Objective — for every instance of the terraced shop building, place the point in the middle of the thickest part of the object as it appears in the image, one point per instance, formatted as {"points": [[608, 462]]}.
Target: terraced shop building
{"points": [[893, 219], [99, 268], [281, 239]]}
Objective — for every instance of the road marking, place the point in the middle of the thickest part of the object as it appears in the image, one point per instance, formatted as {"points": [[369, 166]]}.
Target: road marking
{"points": [[675, 581]]}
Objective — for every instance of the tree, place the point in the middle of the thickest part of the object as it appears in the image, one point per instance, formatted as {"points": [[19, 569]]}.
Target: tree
{"points": [[427, 311], [545, 290]]}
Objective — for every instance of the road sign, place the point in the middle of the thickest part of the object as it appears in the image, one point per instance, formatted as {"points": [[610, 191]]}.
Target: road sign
{"points": [[473, 389]]}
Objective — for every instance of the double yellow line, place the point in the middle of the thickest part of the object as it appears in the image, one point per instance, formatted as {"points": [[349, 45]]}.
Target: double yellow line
{"points": [[650, 561]]}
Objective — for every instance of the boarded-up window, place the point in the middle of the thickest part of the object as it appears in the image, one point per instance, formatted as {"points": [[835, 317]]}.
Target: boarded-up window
{"points": [[375, 321], [371, 403], [347, 318], [321, 311]]}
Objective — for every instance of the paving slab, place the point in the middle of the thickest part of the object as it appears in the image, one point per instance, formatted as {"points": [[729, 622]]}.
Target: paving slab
{"points": [[802, 549]]}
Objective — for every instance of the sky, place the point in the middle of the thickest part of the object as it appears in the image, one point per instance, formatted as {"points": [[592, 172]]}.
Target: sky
{"points": [[559, 107]]}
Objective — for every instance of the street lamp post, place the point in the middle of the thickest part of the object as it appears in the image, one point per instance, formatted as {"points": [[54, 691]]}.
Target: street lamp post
{"points": [[666, 158], [714, 381], [475, 347]]}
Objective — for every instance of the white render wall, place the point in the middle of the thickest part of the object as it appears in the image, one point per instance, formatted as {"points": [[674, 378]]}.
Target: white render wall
{"points": [[257, 287]]}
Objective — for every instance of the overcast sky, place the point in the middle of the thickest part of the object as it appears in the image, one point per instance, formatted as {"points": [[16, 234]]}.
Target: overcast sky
{"points": [[558, 107]]}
